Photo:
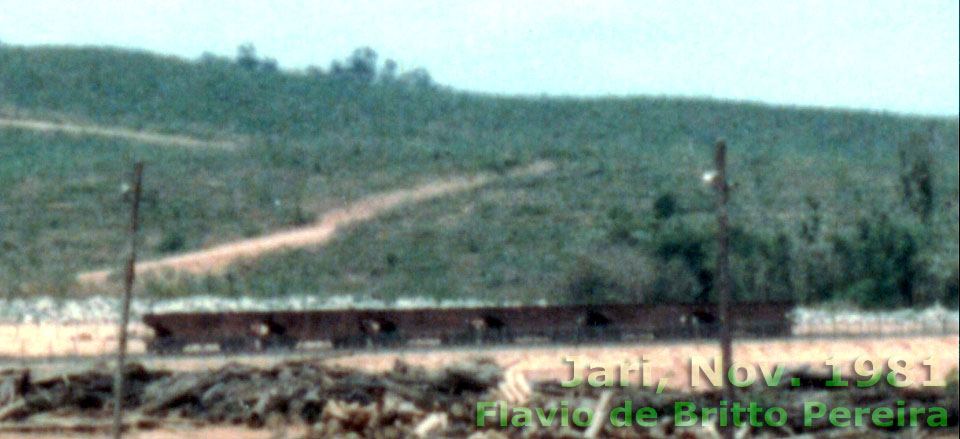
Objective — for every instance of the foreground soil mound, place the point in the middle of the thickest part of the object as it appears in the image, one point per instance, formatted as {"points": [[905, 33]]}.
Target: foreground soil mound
{"points": [[331, 402]]}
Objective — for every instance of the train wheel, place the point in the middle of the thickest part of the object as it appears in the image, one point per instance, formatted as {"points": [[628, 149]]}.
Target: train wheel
{"points": [[382, 340], [165, 345], [238, 345], [279, 343], [498, 335]]}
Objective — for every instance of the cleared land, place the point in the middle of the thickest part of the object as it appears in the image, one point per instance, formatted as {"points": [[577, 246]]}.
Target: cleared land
{"points": [[218, 257], [91, 341]]}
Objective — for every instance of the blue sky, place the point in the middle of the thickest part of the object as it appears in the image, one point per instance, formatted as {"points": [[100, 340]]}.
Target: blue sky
{"points": [[896, 56]]}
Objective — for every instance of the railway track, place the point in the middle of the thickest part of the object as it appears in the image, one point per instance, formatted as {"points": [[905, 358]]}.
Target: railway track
{"points": [[267, 331]]}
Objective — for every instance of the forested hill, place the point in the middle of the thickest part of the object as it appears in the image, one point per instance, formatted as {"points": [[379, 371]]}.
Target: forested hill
{"points": [[830, 205]]}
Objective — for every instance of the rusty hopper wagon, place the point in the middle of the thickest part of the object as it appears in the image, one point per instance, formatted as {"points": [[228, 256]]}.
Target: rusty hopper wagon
{"points": [[354, 328]]}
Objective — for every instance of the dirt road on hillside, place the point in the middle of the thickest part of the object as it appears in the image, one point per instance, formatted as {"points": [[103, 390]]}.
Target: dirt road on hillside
{"points": [[219, 257], [113, 132]]}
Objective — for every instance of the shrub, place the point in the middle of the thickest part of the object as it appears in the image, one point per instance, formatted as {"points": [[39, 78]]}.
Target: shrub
{"points": [[879, 263], [590, 285], [676, 283], [620, 226], [665, 206], [690, 247], [172, 241], [951, 290], [916, 175], [810, 226]]}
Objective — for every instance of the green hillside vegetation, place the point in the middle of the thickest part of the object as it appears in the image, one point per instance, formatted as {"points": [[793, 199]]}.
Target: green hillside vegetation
{"points": [[829, 205]]}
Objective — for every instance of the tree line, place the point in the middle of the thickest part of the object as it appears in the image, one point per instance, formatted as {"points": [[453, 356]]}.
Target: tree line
{"points": [[361, 67]]}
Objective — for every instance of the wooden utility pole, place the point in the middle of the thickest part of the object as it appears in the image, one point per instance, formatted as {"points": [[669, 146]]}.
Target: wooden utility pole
{"points": [[125, 314], [723, 275]]}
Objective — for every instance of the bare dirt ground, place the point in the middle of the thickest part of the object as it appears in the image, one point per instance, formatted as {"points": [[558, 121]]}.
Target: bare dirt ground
{"points": [[85, 345], [219, 257], [113, 132], [51, 339]]}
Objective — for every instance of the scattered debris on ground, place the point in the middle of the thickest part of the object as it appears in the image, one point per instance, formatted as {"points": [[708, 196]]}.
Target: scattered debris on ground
{"points": [[413, 402]]}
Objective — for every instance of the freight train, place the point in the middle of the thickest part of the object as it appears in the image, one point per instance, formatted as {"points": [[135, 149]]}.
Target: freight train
{"points": [[358, 328]]}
